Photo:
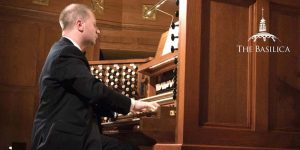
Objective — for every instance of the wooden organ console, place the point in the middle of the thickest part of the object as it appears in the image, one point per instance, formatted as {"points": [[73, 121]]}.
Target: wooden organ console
{"points": [[142, 80], [153, 79]]}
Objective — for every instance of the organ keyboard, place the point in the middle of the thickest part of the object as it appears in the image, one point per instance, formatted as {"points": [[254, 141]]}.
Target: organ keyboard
{"points": [[145, 128]]}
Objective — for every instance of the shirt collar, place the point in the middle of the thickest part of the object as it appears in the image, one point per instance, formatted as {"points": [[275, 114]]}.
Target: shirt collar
{"points": [[74, 43]]}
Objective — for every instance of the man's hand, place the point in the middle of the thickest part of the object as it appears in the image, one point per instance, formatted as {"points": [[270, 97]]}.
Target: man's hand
{"points": [[144, 106]]}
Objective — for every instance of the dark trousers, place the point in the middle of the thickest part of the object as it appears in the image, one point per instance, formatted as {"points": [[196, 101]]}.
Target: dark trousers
{"points": [[109, 143], [106, 143]]}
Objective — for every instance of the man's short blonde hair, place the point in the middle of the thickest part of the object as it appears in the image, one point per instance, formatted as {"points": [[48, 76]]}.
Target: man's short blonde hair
{"points": [[71, 13]]}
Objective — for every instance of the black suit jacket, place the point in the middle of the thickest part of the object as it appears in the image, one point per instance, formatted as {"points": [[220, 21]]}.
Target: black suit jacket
{"points": [[65, 117]]}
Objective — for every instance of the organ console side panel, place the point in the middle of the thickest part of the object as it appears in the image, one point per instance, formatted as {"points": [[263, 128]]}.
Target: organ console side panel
{"points": [[225, 78], [224, 74], [284, 87], [232, 100]]}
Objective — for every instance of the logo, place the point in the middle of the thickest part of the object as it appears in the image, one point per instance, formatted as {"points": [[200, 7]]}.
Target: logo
{"points": [[264, 35], [262, 31]]}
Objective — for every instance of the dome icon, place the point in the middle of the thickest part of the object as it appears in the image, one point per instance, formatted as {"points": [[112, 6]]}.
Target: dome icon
{"points": [[263, 34]]}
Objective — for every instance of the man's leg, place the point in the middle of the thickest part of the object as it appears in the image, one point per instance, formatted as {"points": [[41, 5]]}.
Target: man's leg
{"points": [[109, 143]]}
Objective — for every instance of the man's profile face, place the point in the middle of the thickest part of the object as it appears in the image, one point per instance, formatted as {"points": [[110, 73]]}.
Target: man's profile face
{"points": [[91, 30]]}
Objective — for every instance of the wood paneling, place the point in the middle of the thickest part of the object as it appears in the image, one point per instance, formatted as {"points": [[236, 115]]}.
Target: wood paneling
{"points": [[225, 79], [133, 13], [112, 11], [232, 100], [54, 6], [18, 54], [137, 41], [25, 44], [17, 111], [284, 76]]}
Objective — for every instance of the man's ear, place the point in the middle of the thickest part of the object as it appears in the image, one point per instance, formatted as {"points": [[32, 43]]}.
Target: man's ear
{"points": [[79, 25]]}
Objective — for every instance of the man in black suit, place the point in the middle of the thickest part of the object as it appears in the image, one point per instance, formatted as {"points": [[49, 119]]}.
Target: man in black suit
{"points": [[65, 119]]}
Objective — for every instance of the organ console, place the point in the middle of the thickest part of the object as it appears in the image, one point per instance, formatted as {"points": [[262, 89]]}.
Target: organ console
{"points": [[153, 79]]}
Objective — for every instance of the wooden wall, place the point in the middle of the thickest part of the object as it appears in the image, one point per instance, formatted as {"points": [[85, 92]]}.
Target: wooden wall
{"points": [[237, 100], [135, 37], [28, 30]]}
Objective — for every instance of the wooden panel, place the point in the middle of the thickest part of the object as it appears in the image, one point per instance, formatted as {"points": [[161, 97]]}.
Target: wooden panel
{"points": [[291, 3], [204, 43], [16, 115], [18, 55], [53, 6], [25, 44], [137, 41], [112, 11], [116, 44], [225, 80], [284, 70], [132, 32], [133, 13]]}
